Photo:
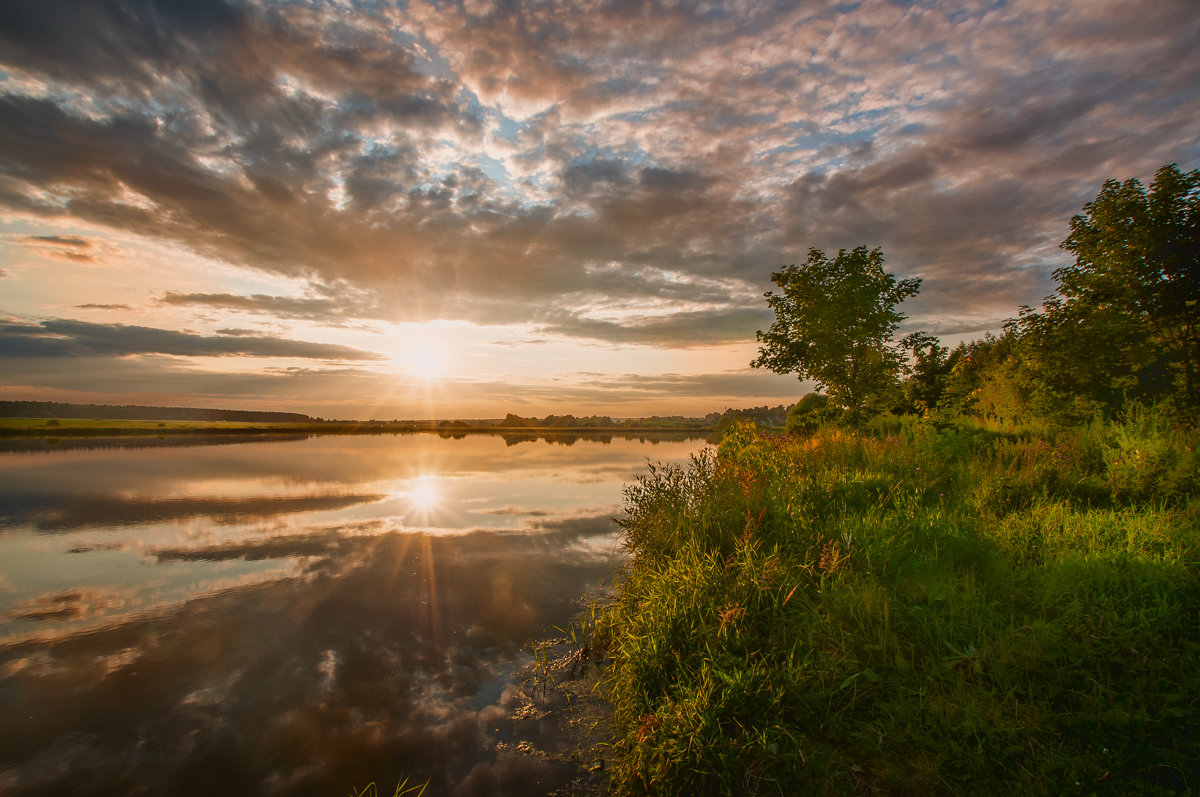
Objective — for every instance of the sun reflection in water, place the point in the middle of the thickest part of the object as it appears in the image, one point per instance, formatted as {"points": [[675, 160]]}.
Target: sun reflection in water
{"points": [[423, 494]]}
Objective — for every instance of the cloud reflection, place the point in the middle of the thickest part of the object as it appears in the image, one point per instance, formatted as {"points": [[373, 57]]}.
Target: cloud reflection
{"points": [[58, 513], [380, 663]]}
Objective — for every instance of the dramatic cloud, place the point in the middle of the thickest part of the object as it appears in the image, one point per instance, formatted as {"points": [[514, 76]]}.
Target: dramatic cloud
{"points": [[66, 338], [325, 309], [629, 173], [676, 330]]}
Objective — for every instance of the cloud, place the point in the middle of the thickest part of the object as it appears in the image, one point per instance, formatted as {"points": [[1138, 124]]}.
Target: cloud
{"points": [[311, 308], [676, 330], [64, 247], [506, 163], [69, 338], [74, 241]]}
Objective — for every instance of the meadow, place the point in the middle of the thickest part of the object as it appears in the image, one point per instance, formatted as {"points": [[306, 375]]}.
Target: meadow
{"points": [[917, 608]]}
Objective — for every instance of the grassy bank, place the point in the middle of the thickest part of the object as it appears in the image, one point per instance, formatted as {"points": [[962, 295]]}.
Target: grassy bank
{"points": [[929, 611]]}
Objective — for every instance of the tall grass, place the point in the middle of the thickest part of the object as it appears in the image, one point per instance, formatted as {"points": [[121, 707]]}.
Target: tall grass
{"points": [[926, 610]]}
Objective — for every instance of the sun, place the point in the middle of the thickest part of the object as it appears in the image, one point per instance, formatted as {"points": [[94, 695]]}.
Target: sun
{"points": [[425, 352], [427, 361]]}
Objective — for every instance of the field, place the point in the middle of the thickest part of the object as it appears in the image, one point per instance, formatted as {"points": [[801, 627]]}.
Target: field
{"points": [[911, 611]]}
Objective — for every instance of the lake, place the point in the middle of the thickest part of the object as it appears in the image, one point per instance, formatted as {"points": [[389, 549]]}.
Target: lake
{"points": [[295, 616]]}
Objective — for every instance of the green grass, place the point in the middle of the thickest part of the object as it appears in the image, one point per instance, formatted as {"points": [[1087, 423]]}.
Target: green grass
{"points": [[953, 610]]}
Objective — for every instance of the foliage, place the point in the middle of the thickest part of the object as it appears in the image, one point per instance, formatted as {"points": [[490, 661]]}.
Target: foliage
{"points": [[944, 610], [929, 370], [763, 416], [988, 380], [810, 413], [1126, 322], [834, 321]]}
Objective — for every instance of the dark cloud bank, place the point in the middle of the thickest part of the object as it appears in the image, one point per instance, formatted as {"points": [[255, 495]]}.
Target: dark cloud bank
{"points": [[67, 338], [664, 155]]}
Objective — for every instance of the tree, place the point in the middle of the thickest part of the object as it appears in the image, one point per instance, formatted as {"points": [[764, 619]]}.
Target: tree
{"points": [[991, 378], [809, 413], [1126, 322], [927, 373], [834, 321]]}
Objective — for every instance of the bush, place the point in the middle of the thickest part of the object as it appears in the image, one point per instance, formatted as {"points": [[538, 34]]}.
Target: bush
{"points": [[810, 413]]}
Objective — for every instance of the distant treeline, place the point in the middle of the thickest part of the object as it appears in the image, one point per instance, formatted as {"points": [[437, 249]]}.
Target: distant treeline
{"points": [[130, 412], [764, 416]]}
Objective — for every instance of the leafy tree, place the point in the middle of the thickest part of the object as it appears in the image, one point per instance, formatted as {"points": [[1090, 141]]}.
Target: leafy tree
{"points": [[1130, 304], [929, 370], [834, 321], [1077, 361], [808, 414], [990, 378]]}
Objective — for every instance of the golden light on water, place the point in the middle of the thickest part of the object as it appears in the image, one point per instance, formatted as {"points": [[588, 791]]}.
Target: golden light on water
{"points": [[423, 494]]}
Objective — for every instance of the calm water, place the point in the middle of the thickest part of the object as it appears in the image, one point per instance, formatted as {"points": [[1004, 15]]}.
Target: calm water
{"points": [[293, 617]]}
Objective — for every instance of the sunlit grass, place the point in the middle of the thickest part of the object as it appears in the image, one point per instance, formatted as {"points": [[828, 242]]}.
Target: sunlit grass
{"points": [[955, 610]]}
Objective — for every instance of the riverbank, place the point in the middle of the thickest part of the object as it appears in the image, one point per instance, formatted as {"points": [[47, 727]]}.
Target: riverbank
{"points": [[928, 611]]}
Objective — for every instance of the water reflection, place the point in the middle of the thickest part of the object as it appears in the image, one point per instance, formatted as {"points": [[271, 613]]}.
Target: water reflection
{"points": [[292, 619], [423, 494]]}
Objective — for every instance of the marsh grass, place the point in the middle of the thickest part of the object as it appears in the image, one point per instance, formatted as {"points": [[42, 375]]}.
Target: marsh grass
{"points": [[931, 608]]}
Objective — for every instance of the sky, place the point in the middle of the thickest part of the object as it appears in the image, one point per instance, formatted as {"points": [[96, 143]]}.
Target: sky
{"points": [[462, 209]]}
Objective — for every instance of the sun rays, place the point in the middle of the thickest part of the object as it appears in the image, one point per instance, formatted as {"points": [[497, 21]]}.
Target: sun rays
{"points": [[424, 495]]}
